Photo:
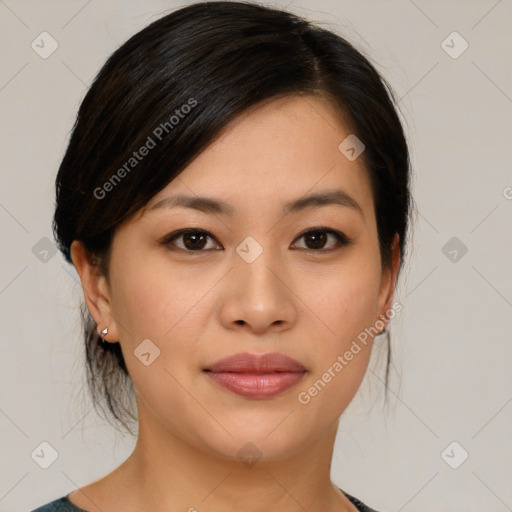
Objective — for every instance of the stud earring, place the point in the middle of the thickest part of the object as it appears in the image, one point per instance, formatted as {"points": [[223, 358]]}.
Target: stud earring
{"points": [[102, 335]]}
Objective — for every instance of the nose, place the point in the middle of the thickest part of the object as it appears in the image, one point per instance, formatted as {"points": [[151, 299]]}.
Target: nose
{"points": [[257, 297]]}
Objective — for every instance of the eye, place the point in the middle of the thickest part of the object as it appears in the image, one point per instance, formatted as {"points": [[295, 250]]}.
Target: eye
{"points": [[191, 240], [196, 240], [316, 239]]}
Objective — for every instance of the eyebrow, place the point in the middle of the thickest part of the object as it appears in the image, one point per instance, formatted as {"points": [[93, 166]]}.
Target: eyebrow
{"points": [[209, 205]]}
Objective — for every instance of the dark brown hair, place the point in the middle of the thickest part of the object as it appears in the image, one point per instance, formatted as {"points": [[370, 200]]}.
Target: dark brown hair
{"points": [[187, 75]]}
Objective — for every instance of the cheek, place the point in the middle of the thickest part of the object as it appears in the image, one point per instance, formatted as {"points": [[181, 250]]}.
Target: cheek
{"points": [[155, 301], [166, 304], [153, 296], [344, 301], [344, 305]]}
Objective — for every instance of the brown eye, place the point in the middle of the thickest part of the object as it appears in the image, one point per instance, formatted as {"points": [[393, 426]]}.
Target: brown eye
{"points": [[190, 240], [195, 240], [316, 239]]}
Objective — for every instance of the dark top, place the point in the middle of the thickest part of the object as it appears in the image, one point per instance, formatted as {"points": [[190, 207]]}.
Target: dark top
{"points": [[64, 505]]}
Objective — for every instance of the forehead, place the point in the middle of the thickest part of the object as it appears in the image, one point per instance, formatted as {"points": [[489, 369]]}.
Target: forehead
{"points": [[272, 154]]}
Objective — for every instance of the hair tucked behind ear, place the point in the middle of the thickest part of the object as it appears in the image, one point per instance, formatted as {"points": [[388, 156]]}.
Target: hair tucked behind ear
{"points": [[109, 382]]}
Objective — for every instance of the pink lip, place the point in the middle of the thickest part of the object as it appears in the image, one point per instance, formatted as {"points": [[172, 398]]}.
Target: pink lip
{"points": [[256, 376]]}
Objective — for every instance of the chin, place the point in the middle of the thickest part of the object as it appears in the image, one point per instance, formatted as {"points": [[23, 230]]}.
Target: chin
{"points": [[251, 445]]}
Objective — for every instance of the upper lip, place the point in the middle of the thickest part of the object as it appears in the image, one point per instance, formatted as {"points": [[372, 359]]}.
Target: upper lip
{"points": [[257, 363]]}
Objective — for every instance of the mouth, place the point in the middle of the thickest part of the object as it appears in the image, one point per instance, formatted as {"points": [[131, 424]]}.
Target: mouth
{"points": [[256, 376]]}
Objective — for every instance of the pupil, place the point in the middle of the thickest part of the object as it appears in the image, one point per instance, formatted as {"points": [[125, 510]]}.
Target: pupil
{"points": [[319, 238], [194, 238]]}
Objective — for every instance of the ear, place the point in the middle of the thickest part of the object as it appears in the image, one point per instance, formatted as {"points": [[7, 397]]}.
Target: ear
{"points": [[388, 281], [96, 293]]}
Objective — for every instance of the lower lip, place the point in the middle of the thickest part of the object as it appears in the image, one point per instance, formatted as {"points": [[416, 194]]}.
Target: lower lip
{"points": [[257, 385]]}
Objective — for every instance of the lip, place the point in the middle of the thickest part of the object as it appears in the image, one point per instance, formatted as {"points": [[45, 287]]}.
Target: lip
{"points": [[256, 375]]}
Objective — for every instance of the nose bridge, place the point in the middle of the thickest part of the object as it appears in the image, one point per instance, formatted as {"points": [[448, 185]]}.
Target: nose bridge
{"points": [[258, 295], [256, 266]]}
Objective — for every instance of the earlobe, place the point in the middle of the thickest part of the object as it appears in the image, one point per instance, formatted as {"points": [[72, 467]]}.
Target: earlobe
{"points": [[95, 290]]}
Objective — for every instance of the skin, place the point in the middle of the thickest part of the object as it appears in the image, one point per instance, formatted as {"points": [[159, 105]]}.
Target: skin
{"points": [[199, 307]]}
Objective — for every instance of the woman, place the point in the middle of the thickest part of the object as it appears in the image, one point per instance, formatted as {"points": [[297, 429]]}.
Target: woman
{"points": [[235, 198]]}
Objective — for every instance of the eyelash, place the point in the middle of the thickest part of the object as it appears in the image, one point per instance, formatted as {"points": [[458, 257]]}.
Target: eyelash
{"points": [[341, 238]]}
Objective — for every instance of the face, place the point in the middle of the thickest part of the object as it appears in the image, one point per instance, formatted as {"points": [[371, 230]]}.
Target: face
{"points": [[259, 276]]}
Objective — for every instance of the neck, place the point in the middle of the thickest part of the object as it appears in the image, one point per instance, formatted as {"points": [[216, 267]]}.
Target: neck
{"points": [[166, 473]]}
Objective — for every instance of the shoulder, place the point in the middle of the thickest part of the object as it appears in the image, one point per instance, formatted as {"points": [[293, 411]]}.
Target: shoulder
{"points": [[362, 507], [64, 505], [59, 505]]}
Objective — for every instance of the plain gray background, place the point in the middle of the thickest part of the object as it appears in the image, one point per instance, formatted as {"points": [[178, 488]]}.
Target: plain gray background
{"points": [[451, 343]]}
